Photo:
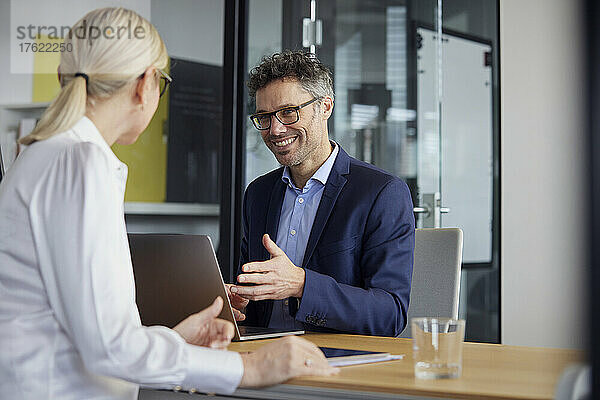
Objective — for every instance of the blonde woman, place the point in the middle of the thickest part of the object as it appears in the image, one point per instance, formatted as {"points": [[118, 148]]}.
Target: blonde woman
{"points": [[69, 326]]}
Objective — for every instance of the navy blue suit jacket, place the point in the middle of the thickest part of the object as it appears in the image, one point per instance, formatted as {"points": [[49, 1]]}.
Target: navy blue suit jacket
{"points": [[359, 255]]}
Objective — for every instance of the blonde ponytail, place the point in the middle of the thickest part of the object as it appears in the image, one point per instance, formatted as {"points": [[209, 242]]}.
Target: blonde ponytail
{"points": [[109, 63], [64, 111]]}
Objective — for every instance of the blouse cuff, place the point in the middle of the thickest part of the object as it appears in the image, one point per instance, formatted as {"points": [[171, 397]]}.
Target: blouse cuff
{"points": [[212, 371]]}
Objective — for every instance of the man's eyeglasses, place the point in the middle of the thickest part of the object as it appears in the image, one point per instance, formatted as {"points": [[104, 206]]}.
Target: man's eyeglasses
{"points": [[165, 81], [286, 115]]}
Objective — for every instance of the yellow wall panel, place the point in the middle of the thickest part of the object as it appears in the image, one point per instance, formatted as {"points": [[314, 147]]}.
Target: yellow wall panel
{"points": [[45, 85], [147, 160]]}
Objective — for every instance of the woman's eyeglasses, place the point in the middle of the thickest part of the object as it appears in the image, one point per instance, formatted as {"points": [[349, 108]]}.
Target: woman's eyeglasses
{"points": [[165, 80], [286, 115]]}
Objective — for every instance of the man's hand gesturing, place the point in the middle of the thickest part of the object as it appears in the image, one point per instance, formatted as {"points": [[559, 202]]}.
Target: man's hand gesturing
{"points": [[277, 278]]}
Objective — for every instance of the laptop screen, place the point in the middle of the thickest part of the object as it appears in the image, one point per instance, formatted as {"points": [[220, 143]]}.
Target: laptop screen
{"points": [[175, 276]]}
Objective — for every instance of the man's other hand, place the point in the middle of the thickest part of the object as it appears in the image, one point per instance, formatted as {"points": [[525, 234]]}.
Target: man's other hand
{"points": [[238, 303]]}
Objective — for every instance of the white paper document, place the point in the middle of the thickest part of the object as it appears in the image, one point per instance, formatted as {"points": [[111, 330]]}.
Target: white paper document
{"points": [[345, 361]]}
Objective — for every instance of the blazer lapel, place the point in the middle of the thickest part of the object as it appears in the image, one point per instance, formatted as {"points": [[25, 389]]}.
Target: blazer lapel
{"points": [[274, 212], [335, 183], [265, 307]]}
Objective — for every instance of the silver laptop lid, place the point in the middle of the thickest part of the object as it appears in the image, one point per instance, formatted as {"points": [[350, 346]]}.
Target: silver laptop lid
{"points": [[175, 276]]}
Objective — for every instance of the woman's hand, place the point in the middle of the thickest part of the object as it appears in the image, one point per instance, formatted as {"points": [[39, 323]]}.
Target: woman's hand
{"points": [[283, 359], [205, 329]]}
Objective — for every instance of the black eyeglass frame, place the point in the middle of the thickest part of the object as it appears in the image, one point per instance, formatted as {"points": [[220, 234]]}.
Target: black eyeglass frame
{"points": [[254, 117], [163, 77]]}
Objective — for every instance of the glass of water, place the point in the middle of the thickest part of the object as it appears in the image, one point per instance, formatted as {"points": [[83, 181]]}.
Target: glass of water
{"points": [[437, 347]]}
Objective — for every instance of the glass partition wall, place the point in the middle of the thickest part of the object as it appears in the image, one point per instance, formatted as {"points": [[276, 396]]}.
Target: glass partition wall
{"points": [[415, 94]]}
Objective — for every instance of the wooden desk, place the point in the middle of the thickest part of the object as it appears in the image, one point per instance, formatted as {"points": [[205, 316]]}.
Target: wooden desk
{"points": [[490, 371]]}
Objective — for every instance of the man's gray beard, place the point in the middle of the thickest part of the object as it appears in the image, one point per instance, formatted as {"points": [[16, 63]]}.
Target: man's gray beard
{"points": [[300, 157], [291, 164]]}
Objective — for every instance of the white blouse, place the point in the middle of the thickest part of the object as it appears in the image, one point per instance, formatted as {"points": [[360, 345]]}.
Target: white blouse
{"points": [[69, 324]]}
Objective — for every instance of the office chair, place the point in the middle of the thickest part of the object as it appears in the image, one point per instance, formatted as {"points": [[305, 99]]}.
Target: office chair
{"points": [[436, 274]]}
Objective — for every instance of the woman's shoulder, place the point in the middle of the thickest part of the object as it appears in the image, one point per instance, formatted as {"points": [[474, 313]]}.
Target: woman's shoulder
{"points": [[64, 145], [62, 157]]}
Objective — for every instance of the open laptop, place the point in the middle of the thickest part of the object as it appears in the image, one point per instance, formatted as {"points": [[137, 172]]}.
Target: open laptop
{"points": [[178, 275]]}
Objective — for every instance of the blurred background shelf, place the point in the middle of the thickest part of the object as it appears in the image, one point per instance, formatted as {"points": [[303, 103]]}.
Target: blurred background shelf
{"points": [[143, 208], [25, 106]]}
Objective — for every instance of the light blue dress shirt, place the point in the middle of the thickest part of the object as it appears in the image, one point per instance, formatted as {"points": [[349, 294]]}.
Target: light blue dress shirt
{"points": [[295, 223]]}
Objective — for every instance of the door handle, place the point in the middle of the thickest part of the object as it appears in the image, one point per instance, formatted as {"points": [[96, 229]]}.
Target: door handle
{"points": [[430, 215]]}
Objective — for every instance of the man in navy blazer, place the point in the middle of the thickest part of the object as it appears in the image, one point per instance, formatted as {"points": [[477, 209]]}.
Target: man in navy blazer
{"points": [[328, 240]]}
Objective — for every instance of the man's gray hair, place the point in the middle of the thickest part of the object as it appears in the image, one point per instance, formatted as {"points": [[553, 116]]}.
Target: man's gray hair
{"points": [[313, 76]]}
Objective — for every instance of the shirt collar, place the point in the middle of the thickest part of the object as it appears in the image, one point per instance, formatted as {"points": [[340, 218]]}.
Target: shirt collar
{"points": [[321, 175], [87, 131]]}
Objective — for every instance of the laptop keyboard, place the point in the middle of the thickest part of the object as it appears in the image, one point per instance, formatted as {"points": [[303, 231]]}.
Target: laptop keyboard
{"points": [[250, 330]]}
